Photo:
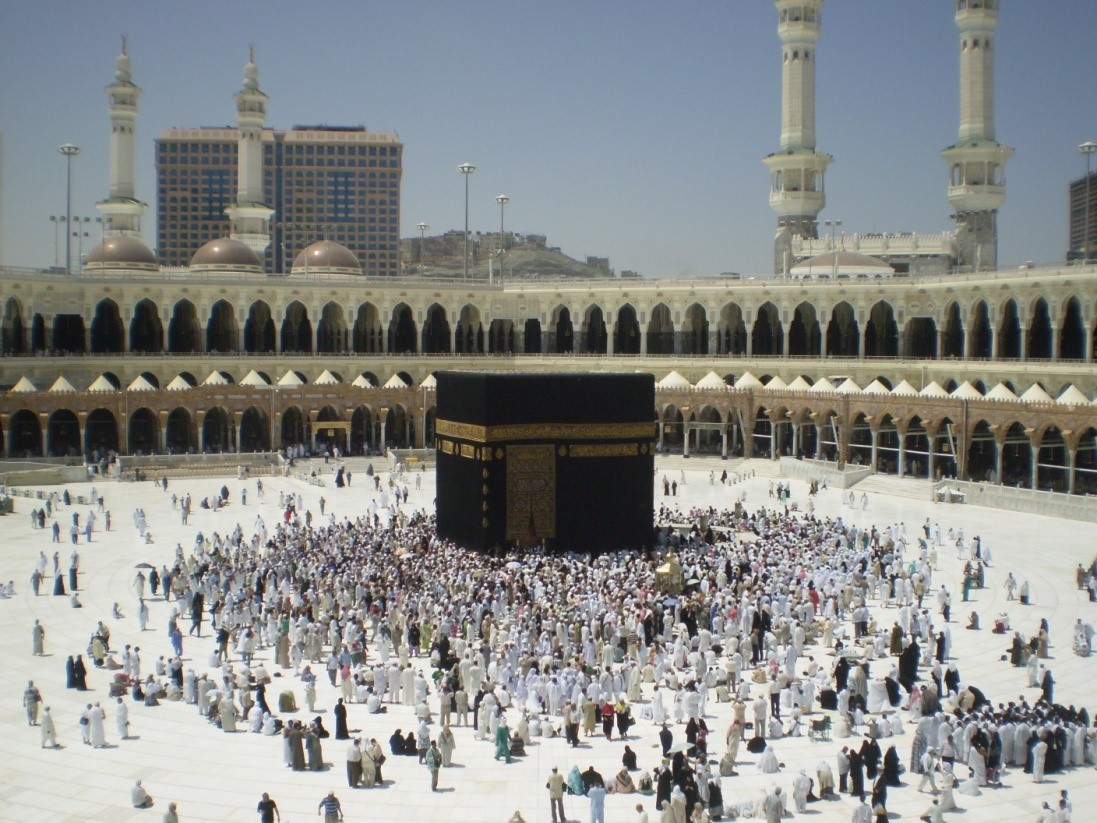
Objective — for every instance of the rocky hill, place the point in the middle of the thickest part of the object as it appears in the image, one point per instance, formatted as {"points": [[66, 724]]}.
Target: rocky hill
{"points": [[527, 257]]}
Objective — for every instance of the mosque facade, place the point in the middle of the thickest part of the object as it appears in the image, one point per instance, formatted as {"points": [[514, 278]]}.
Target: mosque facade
{"points": [[912, 354]]}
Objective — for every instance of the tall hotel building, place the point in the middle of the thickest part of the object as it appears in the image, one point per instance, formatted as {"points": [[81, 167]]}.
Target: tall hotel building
{"points": [[323, 182]]}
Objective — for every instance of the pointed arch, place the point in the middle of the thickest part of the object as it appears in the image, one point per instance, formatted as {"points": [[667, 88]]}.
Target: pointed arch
{"points": [[296, 329], [804, 337], [401, 333], [593, 337], [843, 331], [24, 435], [981, 334], [731, 331], [107, 329], [184, 333], [694, 334], [436, 331], [259, 332], [143, 434], [369, 337], [63, 435], [146, 329], [561, 334], [1009, 332], [13, 332], [767, 335], [1038, 340], [221, 331], [332, 336], [881, 331], [626, 331], [1072, 332], [660, 330], [180, 432]]}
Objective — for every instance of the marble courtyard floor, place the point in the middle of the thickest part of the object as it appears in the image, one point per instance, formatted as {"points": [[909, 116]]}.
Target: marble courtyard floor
{"points": [[219, 777]]}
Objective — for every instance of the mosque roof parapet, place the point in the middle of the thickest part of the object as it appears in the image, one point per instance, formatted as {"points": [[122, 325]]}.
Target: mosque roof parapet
{"points": [[941, 244]]}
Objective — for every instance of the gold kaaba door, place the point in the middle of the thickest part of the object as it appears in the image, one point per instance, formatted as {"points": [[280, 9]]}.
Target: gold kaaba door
{"points": [[531, 492]]}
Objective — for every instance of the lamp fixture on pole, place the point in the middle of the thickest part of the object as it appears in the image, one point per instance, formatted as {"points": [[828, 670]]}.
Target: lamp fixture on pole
{"points": [[70, 151], [502, 200]]}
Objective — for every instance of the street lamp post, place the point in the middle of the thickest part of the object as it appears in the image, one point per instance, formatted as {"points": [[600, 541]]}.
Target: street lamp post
{"points": [[422, 240], [502, 200], [79, 226], [70, 151], [60, 226], [467, 169], [1087, 148]]}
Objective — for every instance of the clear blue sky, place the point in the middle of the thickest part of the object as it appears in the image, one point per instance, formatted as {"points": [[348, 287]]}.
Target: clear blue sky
{"points": [[628, 129]]}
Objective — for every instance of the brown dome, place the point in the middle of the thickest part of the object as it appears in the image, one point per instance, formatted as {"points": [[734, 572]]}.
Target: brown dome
{"points": [[227, 253], [119, 251], [326, 256]]}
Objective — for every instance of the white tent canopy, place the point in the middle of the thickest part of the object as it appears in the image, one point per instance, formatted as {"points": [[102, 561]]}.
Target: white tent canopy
{"points": [[824, 385], [362, 382], [253, 378], [748, 381], [395, 382], [1001, 392], [1072, 396], [966, 391], [674, 381], [290, 379], [1036, 394], [215, 378], [140, 383], [848, 387], [102, 384], [430, 382], [799, 384], [179, 383], [326, 378], [61, 385], [712, 381], [24, 386]]}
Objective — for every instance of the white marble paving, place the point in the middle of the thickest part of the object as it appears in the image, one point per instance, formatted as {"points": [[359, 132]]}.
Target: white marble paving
{"points": [[219, 777]]}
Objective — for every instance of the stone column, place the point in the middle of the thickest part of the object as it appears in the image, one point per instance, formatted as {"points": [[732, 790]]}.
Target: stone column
{"points": [[643, 343], [1073, 461], [931, 457], [784, 344], [609, 334], [993, 343], [999, 454], [819, 441], [1035, 467], [724, 443], [685, 437], [1087, 343], [1054, 341], [902, 454], [875, 437], [795, 439], [659, 444]]}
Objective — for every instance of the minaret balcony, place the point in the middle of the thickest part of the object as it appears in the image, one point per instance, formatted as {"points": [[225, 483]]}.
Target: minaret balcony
{"points": [[976, 197], [789, 203]]}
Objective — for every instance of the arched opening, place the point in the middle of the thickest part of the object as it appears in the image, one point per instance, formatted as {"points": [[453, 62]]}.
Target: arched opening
{"points": [[921, 338], [217, 434], [399, 428], [952, 341], [13, 337], [363, 430], [809, 440], [180, 434], [402, 330], [38, 336], [296, 329], [982, 454], [294, 430], [221, 328], [560, 332], [594, 331], [1017, 458], [1053, 462], [1072, 332], [843, 332], [184, 333], [107, 329], [804, 337], [887, 446], [881, 331], [768, 334], [830, 435], [532, 335], [101, 433], [762, 433], [143, 434], [626, 331], [708, 440], [501, 336], [694, 336], [329, 438], [24, 435], [146, 330], [254, 430], [1009, 332], [731, 332], [259, 333], [331, 335], [944, 450], [63, 435], [1038, 344], [369, 336], [470, 331], [860, 441], [916, 449], [672, 429], [660, 331], [1085, 465], [436, 333], [980, 344], [428, 433]]}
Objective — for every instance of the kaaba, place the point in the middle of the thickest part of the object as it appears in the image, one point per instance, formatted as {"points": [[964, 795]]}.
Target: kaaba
{"points": [[560, 460]]}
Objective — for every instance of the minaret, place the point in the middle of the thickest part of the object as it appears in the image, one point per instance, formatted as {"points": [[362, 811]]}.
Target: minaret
{"points": [[250, 216], [977, 183], [122, 210], [797, 192]]}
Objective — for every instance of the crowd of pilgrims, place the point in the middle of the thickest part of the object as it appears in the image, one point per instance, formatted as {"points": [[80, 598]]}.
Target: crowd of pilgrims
{"points": [[566, 642]]}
